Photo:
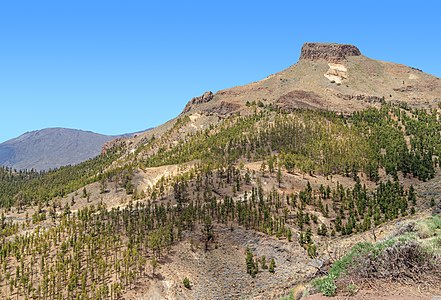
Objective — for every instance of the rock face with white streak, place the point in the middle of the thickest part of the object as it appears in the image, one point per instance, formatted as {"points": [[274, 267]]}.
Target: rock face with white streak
{"points": [[337, 72]]}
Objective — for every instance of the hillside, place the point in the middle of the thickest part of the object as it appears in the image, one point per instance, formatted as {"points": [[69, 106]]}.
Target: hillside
{"points": [[322, 178], [334, 77], [52, 148], [329, 76]]}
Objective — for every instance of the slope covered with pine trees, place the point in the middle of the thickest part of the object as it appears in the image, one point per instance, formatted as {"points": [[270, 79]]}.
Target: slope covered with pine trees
{"points": [[257, 191]]}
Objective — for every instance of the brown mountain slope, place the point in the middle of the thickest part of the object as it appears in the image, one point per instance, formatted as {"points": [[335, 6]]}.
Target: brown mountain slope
{"points": [[173, 226], [328, 76]]}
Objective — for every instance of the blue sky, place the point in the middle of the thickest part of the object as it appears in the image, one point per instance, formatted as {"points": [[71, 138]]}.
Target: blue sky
{"points": [[123, 66]]}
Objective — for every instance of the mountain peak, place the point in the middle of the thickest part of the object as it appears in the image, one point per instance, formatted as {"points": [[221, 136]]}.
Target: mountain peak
{"points": [[51, 148], [331, 52]]}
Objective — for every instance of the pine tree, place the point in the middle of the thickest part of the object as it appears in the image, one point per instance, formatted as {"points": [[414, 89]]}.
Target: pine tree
{"points": [[279, 176], [207, 230], [251, 268], [272, 266]]}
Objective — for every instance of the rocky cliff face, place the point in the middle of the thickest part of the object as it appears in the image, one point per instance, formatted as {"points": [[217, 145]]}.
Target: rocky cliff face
{"points": [[206, 97], [329, 52]]}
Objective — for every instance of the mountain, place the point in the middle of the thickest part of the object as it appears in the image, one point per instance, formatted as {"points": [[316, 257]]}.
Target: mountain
{"points": [[328, 76], [51, 148], [320, 178]]}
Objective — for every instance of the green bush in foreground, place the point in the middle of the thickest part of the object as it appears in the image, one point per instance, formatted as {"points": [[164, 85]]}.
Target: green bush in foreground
{"points": [[407, 256], [289, 297], [326, 284], [187, 283]]}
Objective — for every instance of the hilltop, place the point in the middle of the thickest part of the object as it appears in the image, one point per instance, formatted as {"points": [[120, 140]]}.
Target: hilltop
{"points": [[329, 76]]}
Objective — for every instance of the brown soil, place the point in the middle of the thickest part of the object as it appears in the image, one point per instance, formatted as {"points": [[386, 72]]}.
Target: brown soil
{"points": [[382, 290], [220, 273]]}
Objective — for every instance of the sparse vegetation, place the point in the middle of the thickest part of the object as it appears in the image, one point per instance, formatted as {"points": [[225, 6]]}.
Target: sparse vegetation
{"points": [[289, 297], [41, 187], [187, 283], [120, 246], [251, 264], [402, 258], [272, 266]]}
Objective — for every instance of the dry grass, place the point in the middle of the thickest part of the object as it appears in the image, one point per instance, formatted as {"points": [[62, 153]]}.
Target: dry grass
{"points": [[402, 261]]}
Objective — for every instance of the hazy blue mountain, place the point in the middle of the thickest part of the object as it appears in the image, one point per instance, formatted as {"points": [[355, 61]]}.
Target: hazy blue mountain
{"points": [[51, 148]]}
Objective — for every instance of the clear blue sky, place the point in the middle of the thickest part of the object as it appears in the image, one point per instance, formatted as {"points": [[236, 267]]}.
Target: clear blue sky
{"points": [[123, 66]]}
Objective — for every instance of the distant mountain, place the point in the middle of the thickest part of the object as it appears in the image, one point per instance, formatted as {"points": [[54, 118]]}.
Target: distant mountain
{"points": [[52, 147]]}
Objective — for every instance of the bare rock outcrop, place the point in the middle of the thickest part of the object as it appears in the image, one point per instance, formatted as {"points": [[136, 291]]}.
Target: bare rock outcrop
{"points": [[223, 109], [299, 99], [361, 97], [328, 51], [110, 144], [206, 97]]}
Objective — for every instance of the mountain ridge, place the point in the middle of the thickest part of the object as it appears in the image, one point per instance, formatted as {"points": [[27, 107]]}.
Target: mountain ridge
{"points": [[53, 147], [326, 76], [335, 73]]}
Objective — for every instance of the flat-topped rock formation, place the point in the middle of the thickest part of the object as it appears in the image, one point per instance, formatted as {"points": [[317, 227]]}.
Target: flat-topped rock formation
{"points": [[328, 51]]}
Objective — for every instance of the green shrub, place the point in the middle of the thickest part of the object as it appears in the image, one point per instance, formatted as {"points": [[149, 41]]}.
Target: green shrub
{"points": [[326, 285], [435, 223], [186, 283], [352, 289], [289, 297]]}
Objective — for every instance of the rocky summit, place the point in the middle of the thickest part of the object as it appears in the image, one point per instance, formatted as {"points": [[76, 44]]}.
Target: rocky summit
{"points": [[328, 51], [328, 76]]}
